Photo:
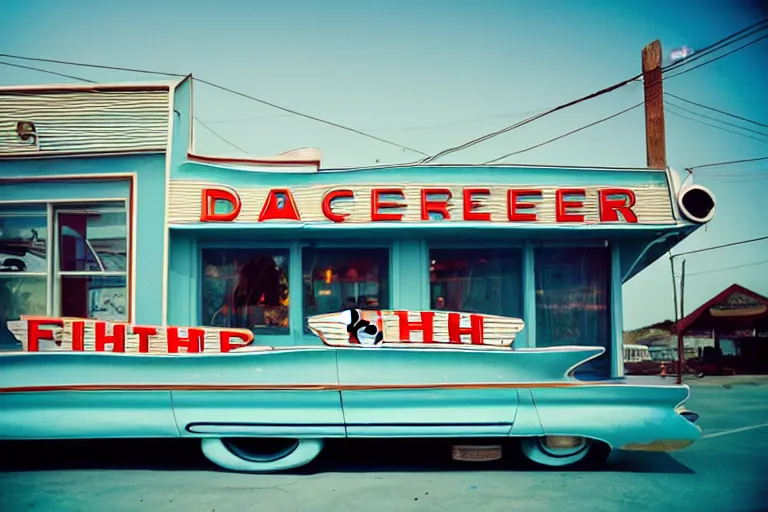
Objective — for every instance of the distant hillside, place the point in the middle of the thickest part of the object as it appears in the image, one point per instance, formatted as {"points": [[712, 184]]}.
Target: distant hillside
{"points": [[649, 333]]}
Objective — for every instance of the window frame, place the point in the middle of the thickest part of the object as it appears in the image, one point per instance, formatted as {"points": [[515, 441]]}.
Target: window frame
{"points": [[386, 244], [52, 250], [520, 247], [56, 274], [196, 303]]}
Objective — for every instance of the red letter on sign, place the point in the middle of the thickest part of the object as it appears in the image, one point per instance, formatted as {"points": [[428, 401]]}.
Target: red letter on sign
{"points": [[117, 339], [469, 204], [144, 333], [78, 336], [609, 208], [377, 203], [277, 208], [332, 196], [426, 326], [194, 343], [513, 205], [225, 339], [35, 333], [440, 207], [562, 205], [455, 330], [210, 195]]}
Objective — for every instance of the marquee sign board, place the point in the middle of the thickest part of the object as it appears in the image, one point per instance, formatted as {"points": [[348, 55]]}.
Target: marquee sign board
{"points": [[42, 334], [195, 202]]}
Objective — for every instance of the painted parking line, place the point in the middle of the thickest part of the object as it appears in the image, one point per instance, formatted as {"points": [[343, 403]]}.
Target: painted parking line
{"points": [[734, 431]]}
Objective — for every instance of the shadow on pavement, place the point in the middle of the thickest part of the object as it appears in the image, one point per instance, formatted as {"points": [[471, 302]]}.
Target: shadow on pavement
{"points": [[340, 456]]}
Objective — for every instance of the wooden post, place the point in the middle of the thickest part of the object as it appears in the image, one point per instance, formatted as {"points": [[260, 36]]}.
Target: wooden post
{"points": [[680, 345], [655, 142]]}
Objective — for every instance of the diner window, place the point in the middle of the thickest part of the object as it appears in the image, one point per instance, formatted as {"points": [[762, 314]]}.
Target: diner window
{"points": [[23, 265], [246, 288], [92, 270], [573, 300], [339, 279], [487, 281]]}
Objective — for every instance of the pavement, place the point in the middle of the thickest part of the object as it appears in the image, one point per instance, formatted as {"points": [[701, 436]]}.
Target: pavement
{"points": [[724, 471]]}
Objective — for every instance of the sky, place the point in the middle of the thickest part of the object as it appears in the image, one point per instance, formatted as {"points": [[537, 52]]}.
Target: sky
{"points": [[433, 74]]}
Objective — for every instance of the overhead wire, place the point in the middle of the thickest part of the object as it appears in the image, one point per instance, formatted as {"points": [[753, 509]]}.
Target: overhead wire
{"points": [[710, 271], [709, 49], [715, 119], [229, 90], [730, 162], [717, 110], [723, 246], [203, 124], [713, 125]]}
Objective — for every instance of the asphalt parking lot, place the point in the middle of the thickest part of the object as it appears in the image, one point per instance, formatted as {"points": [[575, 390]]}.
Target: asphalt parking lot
{"points": [[724, 471]]}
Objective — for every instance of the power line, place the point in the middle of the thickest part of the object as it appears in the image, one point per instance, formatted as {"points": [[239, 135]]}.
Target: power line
{"points": [[732, 244], [219, 136], [731, 162], [46, 71], [716, 119], [565, 134], [722, 43], [530, 119], [719, 45], [716, 110], [726, 268], [715, 126], [231, 91], [717, 58], [91, 81]]}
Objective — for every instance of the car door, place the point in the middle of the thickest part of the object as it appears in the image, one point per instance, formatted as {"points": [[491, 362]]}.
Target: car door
{"points": [[419, 391]]}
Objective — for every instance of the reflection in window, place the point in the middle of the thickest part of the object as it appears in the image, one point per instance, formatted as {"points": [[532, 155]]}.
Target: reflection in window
{"points": [[573, 300], [93, 261], [23, 266], [23, 239], [93, 240], [338, 279], [485, 281], [246, 288]]}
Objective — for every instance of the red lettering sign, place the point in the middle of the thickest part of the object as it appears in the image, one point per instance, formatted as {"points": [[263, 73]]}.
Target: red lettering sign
{"points": [[78, 336], [513, 205], [470, 204], [426, 326], [226, 337], [562, 206], [328, 200], [610, 208], [377, 204], [35, 334], [455, 330], [194, 342], [116, 339], [440, 206], [279, 208], [210, 196], [144, 333]]}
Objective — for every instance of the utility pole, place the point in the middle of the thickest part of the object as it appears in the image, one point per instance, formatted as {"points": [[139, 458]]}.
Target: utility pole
{"points": [[653, 87], [674, 285], [680, 347]]}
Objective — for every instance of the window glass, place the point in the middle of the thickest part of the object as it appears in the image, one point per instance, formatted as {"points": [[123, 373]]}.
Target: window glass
{"points": [[23, 239], [573, 300], [338, 279], [94, 296], [246, 288], [487, 281], [93, 239]]}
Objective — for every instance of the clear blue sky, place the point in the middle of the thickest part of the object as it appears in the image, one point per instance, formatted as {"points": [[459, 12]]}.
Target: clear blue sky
{"points": [[434, 74]]}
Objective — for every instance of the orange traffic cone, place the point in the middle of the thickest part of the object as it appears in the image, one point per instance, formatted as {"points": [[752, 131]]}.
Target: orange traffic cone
{"points": [[663, 370]]}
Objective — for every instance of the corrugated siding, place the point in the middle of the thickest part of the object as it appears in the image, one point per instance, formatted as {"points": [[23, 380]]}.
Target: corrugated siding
{"points": [[85, 122]]}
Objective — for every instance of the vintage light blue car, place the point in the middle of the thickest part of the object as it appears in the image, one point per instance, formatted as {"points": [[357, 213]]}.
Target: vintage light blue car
{"points": [[351, 387]]}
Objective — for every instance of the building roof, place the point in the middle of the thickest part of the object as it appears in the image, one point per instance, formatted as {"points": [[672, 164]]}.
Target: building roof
{"points": [[721, 298], [92, 87]]}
